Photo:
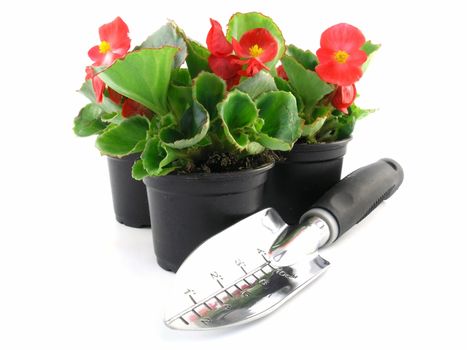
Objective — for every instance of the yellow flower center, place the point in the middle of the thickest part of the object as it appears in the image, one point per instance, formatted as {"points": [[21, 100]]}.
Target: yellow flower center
{"points": [[341, 56], [104, 47], [255, 50]]}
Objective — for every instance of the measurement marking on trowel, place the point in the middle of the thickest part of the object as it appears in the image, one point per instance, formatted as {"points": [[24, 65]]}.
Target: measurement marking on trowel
{"points": [[220, 301], [184, 321], [207, 305], [197, 313], [214, 295], [219, 282], [193, 299]]}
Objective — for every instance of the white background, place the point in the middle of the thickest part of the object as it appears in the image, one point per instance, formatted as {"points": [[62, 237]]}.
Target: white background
{"points": [[73, 278]]}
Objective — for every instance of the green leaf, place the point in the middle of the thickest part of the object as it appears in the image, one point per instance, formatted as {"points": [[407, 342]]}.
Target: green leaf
{"points": [[281, 126], [369, 47], [181, 77], [242, 22], [197, 59], [338, 127], [167, 35], [306, 58], [359, 113], [180, 92], [180, 99], [209, 90], [143, 76], [192, 128], [346, 125], [89, 122], [107, 104], [157, 159], [258, 84], [254, 148], [310, 130], [114, 118], [238, 113], [137, 171], [124, 139], [305, 83], [166, 120], [281, 84]]}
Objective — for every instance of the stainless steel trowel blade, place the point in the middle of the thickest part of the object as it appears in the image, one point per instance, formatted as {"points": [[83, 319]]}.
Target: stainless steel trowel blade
{"points": [[230, 278]]}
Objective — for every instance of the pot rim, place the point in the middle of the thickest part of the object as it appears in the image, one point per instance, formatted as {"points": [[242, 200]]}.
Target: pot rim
{"points": [[305, 147], [228, 175], [128, 157]]}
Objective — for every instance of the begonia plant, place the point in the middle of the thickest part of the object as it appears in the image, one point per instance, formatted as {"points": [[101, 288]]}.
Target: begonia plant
{"points": [[177, 102]]}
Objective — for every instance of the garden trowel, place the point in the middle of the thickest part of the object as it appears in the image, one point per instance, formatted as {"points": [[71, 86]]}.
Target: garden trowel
{"points": [[251, 268]]}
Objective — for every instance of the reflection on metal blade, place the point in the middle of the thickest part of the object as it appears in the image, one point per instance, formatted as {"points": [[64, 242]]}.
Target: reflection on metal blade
{"points": [[230, 279]]}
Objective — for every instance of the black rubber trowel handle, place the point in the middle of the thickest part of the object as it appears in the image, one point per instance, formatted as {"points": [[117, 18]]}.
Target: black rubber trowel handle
{"points": [[355, 196]]}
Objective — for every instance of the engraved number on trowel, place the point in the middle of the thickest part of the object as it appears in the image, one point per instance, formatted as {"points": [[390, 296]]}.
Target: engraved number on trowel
{"points": [[241, 264], [205, 320], [263, 254], [190, 293], [218, 277]]}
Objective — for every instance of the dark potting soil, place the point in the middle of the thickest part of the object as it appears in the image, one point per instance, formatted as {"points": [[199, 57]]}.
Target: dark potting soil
{"points": [[304, 140], [227, 162]]}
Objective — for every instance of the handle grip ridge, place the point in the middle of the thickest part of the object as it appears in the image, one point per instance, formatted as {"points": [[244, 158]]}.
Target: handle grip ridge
{"points": [[359, 193]]}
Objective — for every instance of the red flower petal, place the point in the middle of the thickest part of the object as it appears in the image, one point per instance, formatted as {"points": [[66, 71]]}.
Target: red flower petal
{"points": [[116, 34], [281, 72], [131, 108], [357, 57], [115, 96], [233, 81], [254, 66], [344, 97], [240, 50], [102, 59], [262, 39], [325, 55], [94, 54], [342, 36], [216, 41], [224, 67], [89, 72], [98, 84], [339, 74]]}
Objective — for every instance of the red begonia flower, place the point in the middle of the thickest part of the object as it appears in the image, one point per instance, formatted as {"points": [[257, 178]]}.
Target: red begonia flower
{"points": [[97, 83], [131, 108], [281, 72], [115, 43], [340, 57], [258, 46], [343, 97], [224, 67], [221, 61], [217, 42]]}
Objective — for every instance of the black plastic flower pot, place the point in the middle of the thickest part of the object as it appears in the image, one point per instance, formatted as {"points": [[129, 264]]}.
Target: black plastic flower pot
{"points": [[188, 209], [308, 171], [129, 196]]}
